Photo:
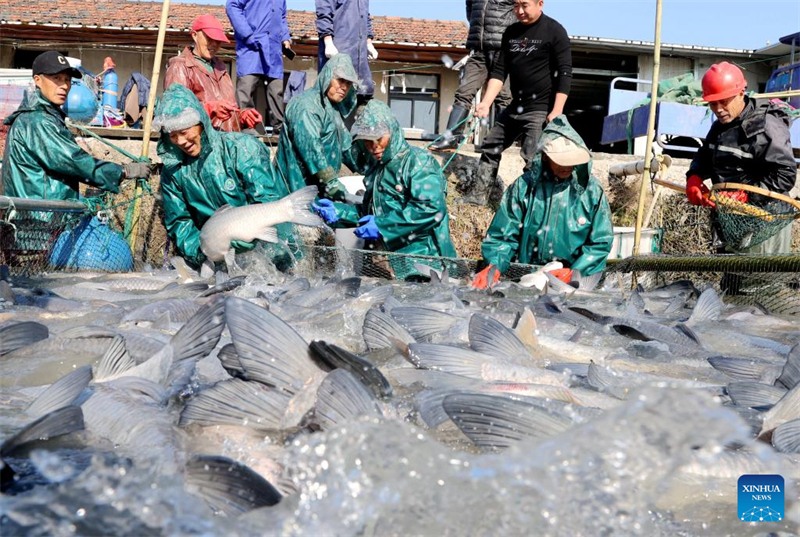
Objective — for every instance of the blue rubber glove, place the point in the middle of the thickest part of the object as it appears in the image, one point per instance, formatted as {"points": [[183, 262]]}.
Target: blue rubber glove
{"points": [[326, 210], [368, 228]]}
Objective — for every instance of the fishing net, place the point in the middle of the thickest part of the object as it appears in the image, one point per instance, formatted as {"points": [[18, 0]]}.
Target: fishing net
{"points": [[768, 281], [747, 218], [68, 239]]}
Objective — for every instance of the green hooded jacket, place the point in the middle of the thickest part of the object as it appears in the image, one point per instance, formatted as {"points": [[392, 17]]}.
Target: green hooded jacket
{"points": [[541, 218], [233, 168], [42, 159], [314, 141], [406, 191]]}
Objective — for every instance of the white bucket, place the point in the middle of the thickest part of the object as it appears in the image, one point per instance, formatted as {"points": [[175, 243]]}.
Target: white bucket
{"points": [[345, 237], [622, 246]]}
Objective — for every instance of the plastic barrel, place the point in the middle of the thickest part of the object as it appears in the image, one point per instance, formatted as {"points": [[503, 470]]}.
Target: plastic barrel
{"points": [[110, 88], [91, 245]]}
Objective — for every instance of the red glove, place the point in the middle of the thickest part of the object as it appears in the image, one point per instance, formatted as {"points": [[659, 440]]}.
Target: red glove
{"points": [[697, 193], [250, 117], [563, 274], [221, 110], [481, 280]]}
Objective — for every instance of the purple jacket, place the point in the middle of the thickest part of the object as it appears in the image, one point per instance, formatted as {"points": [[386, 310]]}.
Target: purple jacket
{"points": [[349, 23], [260, 27]]}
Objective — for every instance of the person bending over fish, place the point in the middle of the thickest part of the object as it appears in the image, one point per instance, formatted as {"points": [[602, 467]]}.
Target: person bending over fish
{"points": [[555, 211], [404, 200], [314, 141], [205, 169]]}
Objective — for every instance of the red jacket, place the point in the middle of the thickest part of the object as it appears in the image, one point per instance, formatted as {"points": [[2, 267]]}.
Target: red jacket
{"points": [[186, 70]]}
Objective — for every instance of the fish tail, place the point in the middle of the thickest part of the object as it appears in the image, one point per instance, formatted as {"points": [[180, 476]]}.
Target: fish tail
{"points": [[299, 202]]}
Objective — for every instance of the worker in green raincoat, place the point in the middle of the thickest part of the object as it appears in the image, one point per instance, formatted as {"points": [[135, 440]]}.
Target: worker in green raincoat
{"points": [[205, 169], [555, 211], [404, 199], [42, 159], [314, 141]]}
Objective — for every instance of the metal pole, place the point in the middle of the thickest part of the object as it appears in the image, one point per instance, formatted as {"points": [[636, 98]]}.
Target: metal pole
{"points": [[32, 204], [650, 132], [148, 119]]}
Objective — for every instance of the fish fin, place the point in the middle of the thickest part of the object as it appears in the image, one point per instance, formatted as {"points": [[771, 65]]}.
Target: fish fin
{"points": [[422, 323], [454, 360], [708, 308], [341, 398], [154, 391], [227, 486], [88, 331], [683, 329], [61, 393], [600, 378], [429, 406], [163, 322], [16, 335], [629, 332], [228, 285], [790, 375], [675, 305], [269, 234], [488, 336], [58, 422], [201, 333], [754, 394], [220, 278], [377, 296], [114, 362], [588, 283], [298, 286], [269, 350], [299, 202], [592, 316], [230, 361], [744, 368], [379, 327], [786, 437], [207, 269], [179, 376], [631, 309], [577, 335], [236, 402], [497, 422], [337, 358], [230, 260], [525, 330], [184, 272], [349, 286]]}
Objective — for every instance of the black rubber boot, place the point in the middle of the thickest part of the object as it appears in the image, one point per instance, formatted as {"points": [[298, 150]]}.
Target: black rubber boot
{"points": [[455, 126], [485, 176]]}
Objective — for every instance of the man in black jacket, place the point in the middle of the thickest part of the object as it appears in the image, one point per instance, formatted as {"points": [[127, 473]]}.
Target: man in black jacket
{"points": [[535, 55], [749, 144], [488, 19]]}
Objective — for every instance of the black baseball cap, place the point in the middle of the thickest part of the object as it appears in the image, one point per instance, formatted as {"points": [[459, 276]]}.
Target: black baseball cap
{"points": [[53, 62]]}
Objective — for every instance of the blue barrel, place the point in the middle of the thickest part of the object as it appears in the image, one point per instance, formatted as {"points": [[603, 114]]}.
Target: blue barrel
{"points": [[92, 245], [82, 103], [110, 88]]}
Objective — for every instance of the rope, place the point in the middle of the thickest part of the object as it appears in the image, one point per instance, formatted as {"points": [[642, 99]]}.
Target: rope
{"points": [[458, 149], [109, 144], [457, 125]]}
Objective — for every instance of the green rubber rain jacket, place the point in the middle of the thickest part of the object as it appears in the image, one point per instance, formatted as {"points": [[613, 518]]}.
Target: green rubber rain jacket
{"points": [[232, 168], [542, 219], [42, 159], [314, 141], [406, 192]]}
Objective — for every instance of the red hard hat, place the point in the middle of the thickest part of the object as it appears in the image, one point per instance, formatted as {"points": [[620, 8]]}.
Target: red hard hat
{"points": [[721, 81]]}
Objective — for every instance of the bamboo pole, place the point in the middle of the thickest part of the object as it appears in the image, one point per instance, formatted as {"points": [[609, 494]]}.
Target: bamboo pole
{"points": [[148, 119], [650, 133]]}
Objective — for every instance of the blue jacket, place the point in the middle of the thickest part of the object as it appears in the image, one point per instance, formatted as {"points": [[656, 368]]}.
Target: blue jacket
{"points": [[260, 27], [349, 23]]}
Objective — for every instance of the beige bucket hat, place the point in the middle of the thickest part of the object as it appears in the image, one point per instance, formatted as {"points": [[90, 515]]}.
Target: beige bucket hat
{"points": [[565, 152]]}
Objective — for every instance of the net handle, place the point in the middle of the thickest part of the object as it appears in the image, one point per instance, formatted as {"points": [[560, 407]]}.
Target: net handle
{"points": [[757, 190]]}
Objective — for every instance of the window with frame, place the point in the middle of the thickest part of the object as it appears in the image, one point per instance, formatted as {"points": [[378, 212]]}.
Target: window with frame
{"points": [[414, 100]]}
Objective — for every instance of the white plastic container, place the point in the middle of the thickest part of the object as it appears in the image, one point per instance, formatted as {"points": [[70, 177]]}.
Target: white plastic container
{"points": [[622, 246], [346, 237]]}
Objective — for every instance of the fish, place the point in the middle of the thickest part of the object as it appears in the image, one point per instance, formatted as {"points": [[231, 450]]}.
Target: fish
{"points": [[251, 222]]}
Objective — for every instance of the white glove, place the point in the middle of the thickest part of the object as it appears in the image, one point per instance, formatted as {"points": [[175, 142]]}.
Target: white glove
{"points": [[373, 53], [330, 48]]}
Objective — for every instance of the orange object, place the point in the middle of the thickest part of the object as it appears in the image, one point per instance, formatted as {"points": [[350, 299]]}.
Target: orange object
{"points": [[563, 274], [481, 280], [737, 195]]}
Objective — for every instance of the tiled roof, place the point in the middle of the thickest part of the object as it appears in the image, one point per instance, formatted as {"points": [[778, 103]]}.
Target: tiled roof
{"points": [[126, 14]]}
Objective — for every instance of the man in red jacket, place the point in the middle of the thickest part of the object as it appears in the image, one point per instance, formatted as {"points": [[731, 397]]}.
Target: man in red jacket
{"points": [[199, 69]]}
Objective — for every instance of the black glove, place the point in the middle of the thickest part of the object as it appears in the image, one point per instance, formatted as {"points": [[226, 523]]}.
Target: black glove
{"points": [[139, 170]]}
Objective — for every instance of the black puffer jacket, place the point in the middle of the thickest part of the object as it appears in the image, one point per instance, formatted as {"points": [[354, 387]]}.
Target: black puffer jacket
{"points": [[488, 19], [754, 149]]}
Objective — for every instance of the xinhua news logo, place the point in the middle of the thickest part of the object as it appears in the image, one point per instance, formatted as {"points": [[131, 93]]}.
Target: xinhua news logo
{"points": [[761, 498]]}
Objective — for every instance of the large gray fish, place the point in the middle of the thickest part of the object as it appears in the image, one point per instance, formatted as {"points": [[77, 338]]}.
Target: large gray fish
{"points": [[252, 222]]}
